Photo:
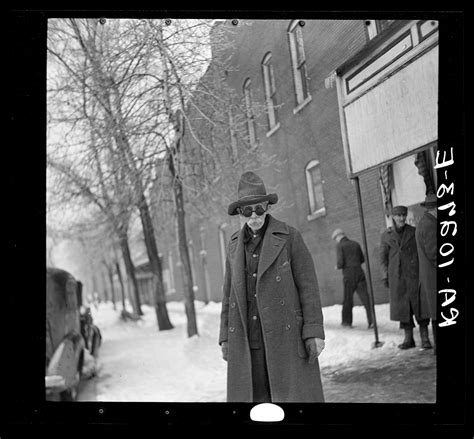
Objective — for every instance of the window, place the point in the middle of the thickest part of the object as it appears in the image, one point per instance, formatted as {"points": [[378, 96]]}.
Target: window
{"points": [[375, 27], [270, 92], [298, 62], [315, 190], [249, 113]]}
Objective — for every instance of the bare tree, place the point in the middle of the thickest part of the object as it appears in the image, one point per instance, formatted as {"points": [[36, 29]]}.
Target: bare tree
{"points": [[108, 66], [145, 103]]}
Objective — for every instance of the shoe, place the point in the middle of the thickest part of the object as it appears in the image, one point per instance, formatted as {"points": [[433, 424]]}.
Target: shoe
{"points": [[370, 326], [407, 344], [426, 345], [425, 340], [408, 341]]}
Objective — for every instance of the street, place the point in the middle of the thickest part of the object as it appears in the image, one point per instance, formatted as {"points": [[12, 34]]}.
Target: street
{"points": [[139, 363]]}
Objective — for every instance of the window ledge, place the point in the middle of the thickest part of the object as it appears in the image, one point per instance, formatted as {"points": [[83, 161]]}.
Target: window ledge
{"points": [[302, 105], [317, 214], [275, 128]]}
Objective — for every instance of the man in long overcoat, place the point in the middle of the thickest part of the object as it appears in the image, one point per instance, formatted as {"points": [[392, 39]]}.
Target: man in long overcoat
{"points": [[271, 329], [399, 263], [426, 241]]}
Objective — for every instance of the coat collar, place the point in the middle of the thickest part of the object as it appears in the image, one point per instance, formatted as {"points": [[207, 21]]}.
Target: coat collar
{"points": [[273, 242], [401, 239]]}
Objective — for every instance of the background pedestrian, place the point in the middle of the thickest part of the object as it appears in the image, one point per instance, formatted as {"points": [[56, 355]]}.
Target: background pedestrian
{"points": [[350, 259], [399, 263]]}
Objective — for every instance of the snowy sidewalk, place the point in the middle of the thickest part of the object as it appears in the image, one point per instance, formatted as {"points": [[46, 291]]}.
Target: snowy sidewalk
{"points": [[138, 363]]}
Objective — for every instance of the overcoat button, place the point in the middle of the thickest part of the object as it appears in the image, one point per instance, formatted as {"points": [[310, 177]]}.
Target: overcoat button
{"points": [[231, 329], [288, 327], [278, 278], [282, 302], [254, 317], [254, 275], [232, 305]]}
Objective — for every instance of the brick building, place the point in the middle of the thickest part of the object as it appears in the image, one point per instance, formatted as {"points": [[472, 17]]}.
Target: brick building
{"points": [[288, 68]]}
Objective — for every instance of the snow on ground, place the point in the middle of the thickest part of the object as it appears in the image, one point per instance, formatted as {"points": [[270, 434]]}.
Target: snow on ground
{"points": [[139, 363]]}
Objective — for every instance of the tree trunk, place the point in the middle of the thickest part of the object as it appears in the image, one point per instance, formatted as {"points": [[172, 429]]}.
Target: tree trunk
{"points": [[112, 287], [184, 256], [104, 286], [131, 275], [122, 287], [162, 316]]}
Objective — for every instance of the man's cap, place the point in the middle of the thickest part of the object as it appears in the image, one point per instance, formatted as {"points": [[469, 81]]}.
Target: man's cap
{"points": [[399, 210], [336, 233]]}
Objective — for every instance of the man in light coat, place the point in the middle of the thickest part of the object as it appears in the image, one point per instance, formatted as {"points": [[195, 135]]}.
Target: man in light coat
{"points": [[399, 263], [271, 329], [426, 241]]}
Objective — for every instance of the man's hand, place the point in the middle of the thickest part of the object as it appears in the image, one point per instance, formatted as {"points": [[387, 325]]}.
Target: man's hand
{"points": [[225, 349], [385, 282], [314, 347]]}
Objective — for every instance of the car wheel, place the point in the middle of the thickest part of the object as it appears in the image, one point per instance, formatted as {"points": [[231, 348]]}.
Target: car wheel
{"points": [[68, 395], [71, 393]]}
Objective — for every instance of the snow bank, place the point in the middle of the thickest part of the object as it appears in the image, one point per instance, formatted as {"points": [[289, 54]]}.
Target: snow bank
{"points": [[140, 363]]}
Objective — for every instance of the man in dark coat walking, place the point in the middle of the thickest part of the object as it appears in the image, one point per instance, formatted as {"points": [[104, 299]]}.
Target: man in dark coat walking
{"points": [[399, 263], [350, 259], [426, 241], [271, 329]]}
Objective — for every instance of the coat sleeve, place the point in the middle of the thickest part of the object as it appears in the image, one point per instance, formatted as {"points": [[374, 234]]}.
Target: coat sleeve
{"points": [[426, 240], [361, 254], [224, 324], [384, 250], [306, 282], [340, 256]]}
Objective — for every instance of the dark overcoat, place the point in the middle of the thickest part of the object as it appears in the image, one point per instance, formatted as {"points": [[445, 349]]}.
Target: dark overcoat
{"points": [[426, 241], [399, 263], [290, 311]]}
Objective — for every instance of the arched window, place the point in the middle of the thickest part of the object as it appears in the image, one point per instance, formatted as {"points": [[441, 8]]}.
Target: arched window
{"points": [[298, 63], [270, 91], [314, 183], [249, 110]]}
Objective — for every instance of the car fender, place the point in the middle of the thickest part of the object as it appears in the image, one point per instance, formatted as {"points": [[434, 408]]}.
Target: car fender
{"points": [[65, 366]]}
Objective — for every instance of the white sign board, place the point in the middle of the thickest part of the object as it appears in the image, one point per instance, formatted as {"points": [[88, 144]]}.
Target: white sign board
{"points": [[389, 105]]}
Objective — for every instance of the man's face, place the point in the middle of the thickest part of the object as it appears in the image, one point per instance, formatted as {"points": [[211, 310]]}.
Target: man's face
{"points": [[400, 220], [254, 221]]}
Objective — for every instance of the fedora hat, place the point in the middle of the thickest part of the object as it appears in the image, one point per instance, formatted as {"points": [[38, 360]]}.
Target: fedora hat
{"points": [[430, 201], [251, 190]]}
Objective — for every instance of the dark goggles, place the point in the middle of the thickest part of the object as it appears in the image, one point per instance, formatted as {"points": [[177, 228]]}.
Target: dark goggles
{"points": [[247, 211]]}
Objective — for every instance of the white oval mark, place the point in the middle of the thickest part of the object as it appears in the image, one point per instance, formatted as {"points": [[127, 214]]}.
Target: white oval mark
{"points": [[267, 412]]}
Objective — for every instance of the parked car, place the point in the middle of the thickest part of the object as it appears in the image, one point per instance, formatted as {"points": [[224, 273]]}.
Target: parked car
{"points": [[66, 333]]}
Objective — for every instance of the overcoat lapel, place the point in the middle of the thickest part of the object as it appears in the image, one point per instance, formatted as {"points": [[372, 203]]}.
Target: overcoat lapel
{"points": [[271, 246], [407, 235], [237, 258]]}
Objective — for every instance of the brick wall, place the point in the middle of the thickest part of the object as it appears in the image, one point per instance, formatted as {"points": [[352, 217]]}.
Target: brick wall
{"points": [[312, 133]]}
